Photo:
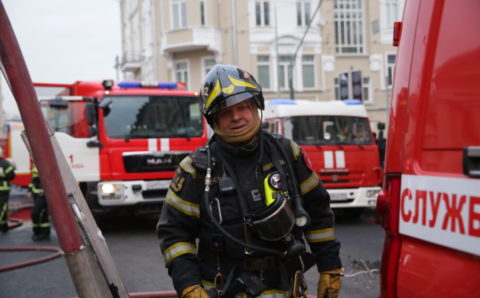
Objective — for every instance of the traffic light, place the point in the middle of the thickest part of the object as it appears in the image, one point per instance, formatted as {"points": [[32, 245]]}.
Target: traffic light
{"points": [[343, 83], [357, 86]]}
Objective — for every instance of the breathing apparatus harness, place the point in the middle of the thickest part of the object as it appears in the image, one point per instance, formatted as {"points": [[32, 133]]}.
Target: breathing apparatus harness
{"points": [[275, 223]]}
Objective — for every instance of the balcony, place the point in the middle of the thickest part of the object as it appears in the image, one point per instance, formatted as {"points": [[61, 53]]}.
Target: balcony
{"points": [[131, 61], [191, 39]]}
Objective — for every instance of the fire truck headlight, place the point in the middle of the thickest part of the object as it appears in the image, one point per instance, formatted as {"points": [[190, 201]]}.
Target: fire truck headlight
{"points": [[111, 191], [372, 193]]}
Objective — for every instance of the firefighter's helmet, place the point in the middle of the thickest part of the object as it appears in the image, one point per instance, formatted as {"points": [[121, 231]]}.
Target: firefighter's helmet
{"points": [[226, 85]]}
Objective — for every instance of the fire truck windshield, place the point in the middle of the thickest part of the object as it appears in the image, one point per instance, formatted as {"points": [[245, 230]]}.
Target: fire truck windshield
{"points": [[328, 130], [160, 116]]}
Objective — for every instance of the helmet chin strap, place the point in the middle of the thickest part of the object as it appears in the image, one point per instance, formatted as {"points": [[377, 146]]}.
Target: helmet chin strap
{"points": [[246, 135]]}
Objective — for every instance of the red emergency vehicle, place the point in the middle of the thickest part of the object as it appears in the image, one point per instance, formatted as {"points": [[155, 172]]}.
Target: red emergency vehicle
{"points": [[123, 141], [337, 138], [430, 202]]}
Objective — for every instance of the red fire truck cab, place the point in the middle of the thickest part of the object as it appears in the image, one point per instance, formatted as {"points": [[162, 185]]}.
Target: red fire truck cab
{"points": [[430, 202], [123, 141], [339, 143]]}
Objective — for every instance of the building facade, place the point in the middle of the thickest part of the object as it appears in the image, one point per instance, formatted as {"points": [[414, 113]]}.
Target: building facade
{"points": [[294, 48]]}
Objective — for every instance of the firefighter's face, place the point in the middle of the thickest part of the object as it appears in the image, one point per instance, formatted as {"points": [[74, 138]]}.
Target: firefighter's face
{"points": [[236, 118]]}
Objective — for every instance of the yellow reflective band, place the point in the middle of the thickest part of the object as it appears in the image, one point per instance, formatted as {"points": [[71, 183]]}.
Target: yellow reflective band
{"points": [[309, 184], [295, 149], [187, 166], [183, 206], [240, 83], [212, 96], [207, 285], [177, 250], [42, 225], [35, 190], [9, 169], [5, 186], [3, 214], [269, 165], [320, 235]]}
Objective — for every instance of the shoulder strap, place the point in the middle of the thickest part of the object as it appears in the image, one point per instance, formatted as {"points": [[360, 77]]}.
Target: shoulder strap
{"points": [[200, 157]]}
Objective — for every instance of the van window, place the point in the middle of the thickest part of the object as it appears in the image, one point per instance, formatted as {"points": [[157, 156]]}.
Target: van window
{"points": [[70, 119], [329, 130]]}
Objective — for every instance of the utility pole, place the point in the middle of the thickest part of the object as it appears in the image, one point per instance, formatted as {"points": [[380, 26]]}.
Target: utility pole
{"points": [[117, 67], [234, 32], [276, 49], [292, 63]]}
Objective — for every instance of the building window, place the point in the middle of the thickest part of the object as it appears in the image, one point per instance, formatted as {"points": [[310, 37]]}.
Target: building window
{"points": [[349, 38], [179, 14], [263, 69], [208, 64], [390, 69], [181, 72], [202, 12], [390, 12], [366, 90], [308, 71], [336, 86], [303, 12], [284, 71], [262, 13]]}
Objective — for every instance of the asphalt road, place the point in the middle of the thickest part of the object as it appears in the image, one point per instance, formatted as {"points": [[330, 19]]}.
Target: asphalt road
{"points": [[134, 248]]}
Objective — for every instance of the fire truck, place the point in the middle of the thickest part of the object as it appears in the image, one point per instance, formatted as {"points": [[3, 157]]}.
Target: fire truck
{"points": [[430, 201], [124, 140], [337, 138]]}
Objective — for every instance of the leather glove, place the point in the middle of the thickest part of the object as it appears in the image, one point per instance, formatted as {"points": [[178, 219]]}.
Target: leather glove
{"points": [[195, 291], [329, 283]]}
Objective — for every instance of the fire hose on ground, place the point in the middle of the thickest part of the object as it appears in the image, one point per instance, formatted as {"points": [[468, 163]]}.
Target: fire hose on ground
{"points": [[13, 223]]}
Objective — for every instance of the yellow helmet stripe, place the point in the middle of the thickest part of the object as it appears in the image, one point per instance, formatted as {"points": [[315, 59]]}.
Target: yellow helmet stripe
{"points": [[240, 83], [213, 95], [229, 89]]}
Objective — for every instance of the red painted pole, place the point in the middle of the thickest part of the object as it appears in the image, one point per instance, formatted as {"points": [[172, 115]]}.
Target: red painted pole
{"points": [[17, 76]]}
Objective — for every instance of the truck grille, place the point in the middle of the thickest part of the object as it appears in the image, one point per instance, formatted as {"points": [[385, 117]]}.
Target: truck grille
{"points": [[335, 176], [152, 162], [154, 194]]}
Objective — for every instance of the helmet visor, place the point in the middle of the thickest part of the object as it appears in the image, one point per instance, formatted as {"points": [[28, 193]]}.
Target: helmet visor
{"points": [[233, 100]]}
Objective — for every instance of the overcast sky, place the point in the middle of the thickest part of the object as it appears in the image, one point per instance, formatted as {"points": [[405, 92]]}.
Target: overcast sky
{"points": [[63, 41]]}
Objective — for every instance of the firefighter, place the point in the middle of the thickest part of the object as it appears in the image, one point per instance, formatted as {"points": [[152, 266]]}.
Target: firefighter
{"points": [[40, 216], [7, 173], [240, 210]]}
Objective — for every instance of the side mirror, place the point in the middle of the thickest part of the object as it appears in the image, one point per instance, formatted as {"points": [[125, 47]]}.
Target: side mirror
{"points": [[91, 114]]}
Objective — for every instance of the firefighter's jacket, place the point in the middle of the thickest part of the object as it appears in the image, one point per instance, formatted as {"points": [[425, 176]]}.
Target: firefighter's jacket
{"points": [[35, 186], [7, 173], [184, 217]]}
